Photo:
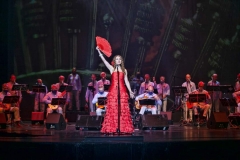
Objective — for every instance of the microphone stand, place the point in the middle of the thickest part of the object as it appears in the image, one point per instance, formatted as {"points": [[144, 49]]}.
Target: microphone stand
{"points": [[119, 103], [213, 103]]}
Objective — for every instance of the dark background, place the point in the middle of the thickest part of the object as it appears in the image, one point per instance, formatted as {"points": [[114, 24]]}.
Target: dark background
{"points": [[45, 39]]}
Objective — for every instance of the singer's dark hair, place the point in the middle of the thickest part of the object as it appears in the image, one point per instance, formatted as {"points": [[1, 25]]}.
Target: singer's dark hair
{"points": [[122, 64]]}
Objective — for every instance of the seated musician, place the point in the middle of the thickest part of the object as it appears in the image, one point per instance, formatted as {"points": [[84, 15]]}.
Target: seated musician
{"points": [[48, 99], [149, 95], [9, 107], [100, 93], [205, 106], [236, 96]]}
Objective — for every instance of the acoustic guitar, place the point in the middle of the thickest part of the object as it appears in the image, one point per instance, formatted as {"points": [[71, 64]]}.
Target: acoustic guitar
{"points": [[5, 106], [54, 107], [100, 106]]}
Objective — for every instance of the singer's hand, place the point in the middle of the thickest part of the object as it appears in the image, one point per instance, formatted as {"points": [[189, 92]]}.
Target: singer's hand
{"points": [[132, 95]]}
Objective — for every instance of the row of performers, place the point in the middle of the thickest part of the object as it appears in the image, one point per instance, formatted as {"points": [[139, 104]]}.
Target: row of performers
{"points": [[43, 97], [146, 91], [163, 90]]}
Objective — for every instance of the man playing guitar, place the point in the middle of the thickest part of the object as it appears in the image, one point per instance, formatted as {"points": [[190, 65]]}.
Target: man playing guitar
{"points": [[191, 87], [101, 93], [9, 107], [48, 99], [149, 95]]}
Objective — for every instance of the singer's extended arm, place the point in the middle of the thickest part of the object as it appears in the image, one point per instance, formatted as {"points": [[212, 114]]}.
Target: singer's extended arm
{"points": [[109, 66], [128, 85]]}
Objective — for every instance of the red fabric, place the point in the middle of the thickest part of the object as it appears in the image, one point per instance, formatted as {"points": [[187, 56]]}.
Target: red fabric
{"points": [[104, 46], [110, 123], [37, 116]]}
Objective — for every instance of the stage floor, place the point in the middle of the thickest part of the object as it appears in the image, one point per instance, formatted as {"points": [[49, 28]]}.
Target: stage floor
{"points": [[154, 144], [175, 132]]}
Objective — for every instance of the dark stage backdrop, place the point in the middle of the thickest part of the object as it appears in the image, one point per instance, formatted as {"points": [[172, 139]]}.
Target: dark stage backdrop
{"points": [[46, 38]]}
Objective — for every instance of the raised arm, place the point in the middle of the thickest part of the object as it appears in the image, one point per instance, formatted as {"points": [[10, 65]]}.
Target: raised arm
{"points": [[109, 66], [128, 85]]}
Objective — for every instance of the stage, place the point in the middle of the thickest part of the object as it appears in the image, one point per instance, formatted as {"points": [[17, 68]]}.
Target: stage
{"points": [[190, 142]]}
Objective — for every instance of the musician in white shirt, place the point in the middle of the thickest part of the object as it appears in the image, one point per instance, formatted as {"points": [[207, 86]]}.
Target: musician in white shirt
{"points": [[101, 93], [191, 87], [215, 95], [66, 95], [149, 95]]}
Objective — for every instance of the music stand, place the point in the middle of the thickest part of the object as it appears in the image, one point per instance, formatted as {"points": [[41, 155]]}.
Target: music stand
{"points": [[144, 102], [106, 87], [197, 98], [39, 89], [228, 102], [20, 87], [102, 101], [226, 88], [67, 88], [179, 90], [58, 101], [10, 99], [213, 88]]}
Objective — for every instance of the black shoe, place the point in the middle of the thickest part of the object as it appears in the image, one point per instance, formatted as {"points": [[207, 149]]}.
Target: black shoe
{"points": [[17, 124], [203, 122]]}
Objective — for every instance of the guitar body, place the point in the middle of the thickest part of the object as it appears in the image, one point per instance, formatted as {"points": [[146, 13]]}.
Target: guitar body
{"points": [[100, 106], [53, 107], [5, 106]]}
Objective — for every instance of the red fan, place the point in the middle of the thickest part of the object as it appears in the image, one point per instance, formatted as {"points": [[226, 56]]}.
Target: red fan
{"points": [[104, 46]]}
